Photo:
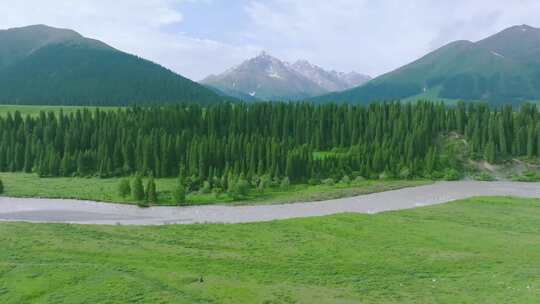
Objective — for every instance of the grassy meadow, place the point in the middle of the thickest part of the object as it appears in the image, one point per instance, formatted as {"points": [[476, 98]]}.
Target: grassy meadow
{"points": [[35, 110], [106, 190], [482, 250]]}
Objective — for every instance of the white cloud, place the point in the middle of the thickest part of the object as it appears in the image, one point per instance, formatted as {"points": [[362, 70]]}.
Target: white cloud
{"points": [[378, 36], [365, 35], [138, 27]]}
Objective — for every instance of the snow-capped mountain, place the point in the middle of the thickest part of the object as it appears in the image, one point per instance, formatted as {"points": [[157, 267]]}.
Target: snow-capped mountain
{"points": [[331, 81], [268, 78]]}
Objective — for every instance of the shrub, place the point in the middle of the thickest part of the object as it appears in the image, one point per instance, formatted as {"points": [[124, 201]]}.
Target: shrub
{"points": [[373, 175], [527, 176], [265, 182], [206, 188], [384, 175], [217, 191], [275, 182], [1, 187], [124, 189], [137, 189], [359, 179], [285, 183], [405, 173], [531, 176], [437, 175], [329, 182], [484, 176], [314, 181], [255, 180], [242, 187], [261, 187], [239, 189], [346, 180], [143, 204], [451, 175]]}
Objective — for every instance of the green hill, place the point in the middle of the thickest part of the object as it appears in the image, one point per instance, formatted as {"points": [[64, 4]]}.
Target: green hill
{"points": [[502, 68], [44, 65]]}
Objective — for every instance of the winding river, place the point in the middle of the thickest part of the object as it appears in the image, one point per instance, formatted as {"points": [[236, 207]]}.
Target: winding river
{"points": [[87, 212]]}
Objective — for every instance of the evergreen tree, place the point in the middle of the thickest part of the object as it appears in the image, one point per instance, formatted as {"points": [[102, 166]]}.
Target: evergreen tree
{"points": [[238, 189], [180, 193], [215, 145], [151, 192], [137, 189], [489, 153]]}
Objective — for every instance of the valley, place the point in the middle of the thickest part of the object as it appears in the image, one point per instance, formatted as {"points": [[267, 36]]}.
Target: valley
{"points": [[276, 180], [482, 249]]}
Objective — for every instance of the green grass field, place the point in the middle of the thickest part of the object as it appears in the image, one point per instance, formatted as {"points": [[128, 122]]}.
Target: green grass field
{"points": [[106, 190], [34, 110], [484, 250]]}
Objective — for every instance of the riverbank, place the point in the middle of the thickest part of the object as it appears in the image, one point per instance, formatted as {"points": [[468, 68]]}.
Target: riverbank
{"points": [[87, 212]]}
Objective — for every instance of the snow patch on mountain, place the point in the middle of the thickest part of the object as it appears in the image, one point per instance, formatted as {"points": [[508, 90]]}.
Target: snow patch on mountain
{"points": [[497, 54], [330, 80], [269, 78], [272, 73]]}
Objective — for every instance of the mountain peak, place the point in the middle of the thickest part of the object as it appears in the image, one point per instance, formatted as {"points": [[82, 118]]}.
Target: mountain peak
{"points": [[43, 30], [267, 77], [517, 42], [303, 62], [523, 28], [517, 31], [40, 64], [19, 42], [504, 67], [264, 55]]}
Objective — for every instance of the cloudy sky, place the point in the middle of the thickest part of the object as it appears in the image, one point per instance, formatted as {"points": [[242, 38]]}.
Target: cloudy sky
{"points": [[199, 37]]}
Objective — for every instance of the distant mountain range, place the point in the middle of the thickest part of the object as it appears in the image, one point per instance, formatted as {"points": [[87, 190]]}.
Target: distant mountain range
{"points": [[268, 78], [502, 68], [45, 65]]}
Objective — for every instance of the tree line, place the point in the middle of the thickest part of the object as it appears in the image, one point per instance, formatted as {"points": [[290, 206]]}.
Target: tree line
{"points": [[226, 142]]}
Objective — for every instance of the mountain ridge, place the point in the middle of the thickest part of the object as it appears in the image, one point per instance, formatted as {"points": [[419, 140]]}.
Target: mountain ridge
{"points": [[504, 67], [40, 64], [266, 77]]}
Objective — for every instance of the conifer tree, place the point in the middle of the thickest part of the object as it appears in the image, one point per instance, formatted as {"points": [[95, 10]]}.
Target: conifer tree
{"points": [[304, 142], [151, 192], [489, 153], [180, 193], [137, 189]]}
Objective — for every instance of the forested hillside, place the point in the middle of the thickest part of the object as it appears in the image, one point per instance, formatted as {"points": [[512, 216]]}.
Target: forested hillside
{"points": [[41, 65], [299, 142], [502, 68]]}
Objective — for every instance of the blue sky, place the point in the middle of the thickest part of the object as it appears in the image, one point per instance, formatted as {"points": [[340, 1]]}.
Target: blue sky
{"points": [[216, 20], [199, 37]]}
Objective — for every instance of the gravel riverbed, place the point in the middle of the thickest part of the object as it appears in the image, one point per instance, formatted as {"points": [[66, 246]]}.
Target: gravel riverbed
{"points": [[86, 212]]}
